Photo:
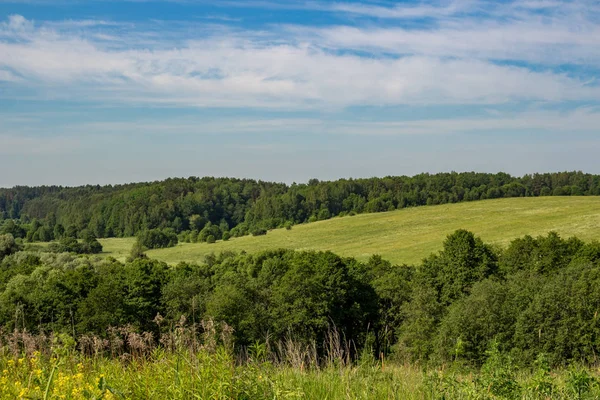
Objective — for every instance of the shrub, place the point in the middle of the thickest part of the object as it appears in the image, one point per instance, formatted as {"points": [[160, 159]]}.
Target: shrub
{"points": [[158, 238], [8, 245], [259, 231], [209, 230], [89, 245], [137, 251]]}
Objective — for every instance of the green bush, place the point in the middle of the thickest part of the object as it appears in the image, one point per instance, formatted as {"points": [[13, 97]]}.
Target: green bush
{"points": [[258, 231], [158, 238]]}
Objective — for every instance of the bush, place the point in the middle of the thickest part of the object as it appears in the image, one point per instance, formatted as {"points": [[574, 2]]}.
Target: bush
{"points": [[89, 245], [158, 238], [259, 231], [137, 251], [208, 231], [239, 230], [8, 245]]}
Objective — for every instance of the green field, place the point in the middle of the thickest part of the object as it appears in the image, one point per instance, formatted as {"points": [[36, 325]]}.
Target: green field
{"points": [[408, 235]]}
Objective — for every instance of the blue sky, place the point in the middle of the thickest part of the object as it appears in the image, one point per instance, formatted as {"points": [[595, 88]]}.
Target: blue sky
{"points": [[121, 91]]}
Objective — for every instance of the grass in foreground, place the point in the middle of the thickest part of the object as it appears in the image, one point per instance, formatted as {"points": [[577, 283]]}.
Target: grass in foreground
{"points": [[202, 376], [160, 374], [408, 235]]}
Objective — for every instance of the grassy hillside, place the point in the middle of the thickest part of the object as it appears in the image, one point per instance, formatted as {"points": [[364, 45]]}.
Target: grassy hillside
{"points": [[408, 235]]}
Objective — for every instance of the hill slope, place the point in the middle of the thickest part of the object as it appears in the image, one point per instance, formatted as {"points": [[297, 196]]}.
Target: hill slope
{"points": [[408, 235]]}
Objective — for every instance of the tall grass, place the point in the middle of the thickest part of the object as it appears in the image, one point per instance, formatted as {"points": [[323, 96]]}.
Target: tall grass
{"points": [[199, 362]]}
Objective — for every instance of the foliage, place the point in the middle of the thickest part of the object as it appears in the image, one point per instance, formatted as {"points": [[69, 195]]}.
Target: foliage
{"points": [[89, 245], [8, 245], [258, 232], [157, 238], [49, 212], [537, 296]]}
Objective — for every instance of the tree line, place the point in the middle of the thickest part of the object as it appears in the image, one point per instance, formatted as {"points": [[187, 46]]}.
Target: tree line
{"points": [[537, 297], [206, 209]]}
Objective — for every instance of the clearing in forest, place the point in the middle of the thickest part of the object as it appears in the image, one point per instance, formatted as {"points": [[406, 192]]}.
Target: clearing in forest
{"points": [[407, 235]]}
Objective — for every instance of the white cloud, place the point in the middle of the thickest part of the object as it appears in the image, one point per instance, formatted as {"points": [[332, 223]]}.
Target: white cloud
{"points": [[18, 23], [530, 41], [228, 71], [454, 62]]}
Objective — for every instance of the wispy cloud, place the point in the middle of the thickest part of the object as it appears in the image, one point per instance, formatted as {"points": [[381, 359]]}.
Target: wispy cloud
{"points": [[402, 11], [12, 144], [8, 76], [580, 120], [291, 68]]}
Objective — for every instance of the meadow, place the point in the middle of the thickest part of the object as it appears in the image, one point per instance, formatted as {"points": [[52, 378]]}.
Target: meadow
{"points": [[55, 368], [407, 235]]}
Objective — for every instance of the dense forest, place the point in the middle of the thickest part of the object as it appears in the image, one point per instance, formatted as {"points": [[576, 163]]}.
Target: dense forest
{"points": [[538, 297], [208, 209]]}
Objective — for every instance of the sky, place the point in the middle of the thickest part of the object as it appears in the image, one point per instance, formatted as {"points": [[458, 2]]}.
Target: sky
{"points": [[106, 92]]}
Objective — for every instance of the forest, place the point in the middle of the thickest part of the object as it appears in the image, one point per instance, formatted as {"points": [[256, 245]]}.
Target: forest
{"points": [[536, 297], [208, 209]]}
